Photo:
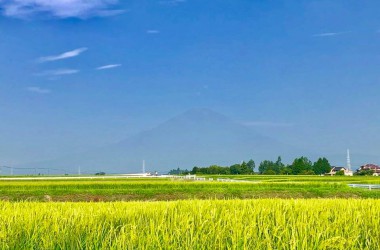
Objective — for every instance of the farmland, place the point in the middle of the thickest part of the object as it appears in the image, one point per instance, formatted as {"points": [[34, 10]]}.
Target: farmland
{"points": [[265, 212], [164, 189], [195, 224]]}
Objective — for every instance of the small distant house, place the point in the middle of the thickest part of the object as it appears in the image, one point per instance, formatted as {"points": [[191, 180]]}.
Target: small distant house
{"points": [[373, 167], [334, 170]]}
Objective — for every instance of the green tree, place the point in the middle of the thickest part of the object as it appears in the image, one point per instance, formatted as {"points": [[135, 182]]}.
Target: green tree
{"points": [[179, 171], [279, 165], [215, 169], [235, 169], [269, 172], [195, 170], [245, 168], [286, 170], [340, 173], [365, 172], [321, 166], [265, 166], [301, 165], [251, 165], [307, 172]]}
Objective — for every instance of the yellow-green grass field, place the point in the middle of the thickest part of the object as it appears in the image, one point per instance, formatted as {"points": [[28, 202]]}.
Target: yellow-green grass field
{"points": [[267, 212], [192, 224], [176, 189]]}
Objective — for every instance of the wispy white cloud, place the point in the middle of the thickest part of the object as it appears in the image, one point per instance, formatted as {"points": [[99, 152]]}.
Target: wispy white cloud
{"points": [[65, 55], [58, 72], [107, 13], [152, 32], [59, 8], [329, 34], [172, 2], [109, 66], [38, 90], [267, 124]]}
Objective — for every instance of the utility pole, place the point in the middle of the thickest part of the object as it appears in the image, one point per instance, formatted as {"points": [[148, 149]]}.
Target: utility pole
{"points": [[79, 170], [143, 167]]}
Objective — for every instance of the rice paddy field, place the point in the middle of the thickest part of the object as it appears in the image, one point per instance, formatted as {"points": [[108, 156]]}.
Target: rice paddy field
{"points": [[268, 212], [178, 189]]}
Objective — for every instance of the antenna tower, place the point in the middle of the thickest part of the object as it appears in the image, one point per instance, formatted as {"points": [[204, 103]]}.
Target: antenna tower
{"points": [[348, 160]]}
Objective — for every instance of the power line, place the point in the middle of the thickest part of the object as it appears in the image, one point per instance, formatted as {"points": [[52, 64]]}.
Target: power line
{"points": [[48, 170], [35, 169]]}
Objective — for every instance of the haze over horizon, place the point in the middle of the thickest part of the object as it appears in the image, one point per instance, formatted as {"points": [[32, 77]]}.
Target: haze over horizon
{"points": [[78, 76]]}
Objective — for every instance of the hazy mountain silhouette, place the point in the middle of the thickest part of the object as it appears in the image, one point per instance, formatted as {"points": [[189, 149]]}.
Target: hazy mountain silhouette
{"points": [[198, 137]]}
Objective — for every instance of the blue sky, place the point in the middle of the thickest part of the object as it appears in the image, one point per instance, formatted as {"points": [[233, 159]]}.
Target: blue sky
{"points": [[81, 74]]}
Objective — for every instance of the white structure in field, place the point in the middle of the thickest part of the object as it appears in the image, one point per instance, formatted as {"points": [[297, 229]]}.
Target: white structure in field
{"points": [[348, 172], [144, 173], [190, 177]]}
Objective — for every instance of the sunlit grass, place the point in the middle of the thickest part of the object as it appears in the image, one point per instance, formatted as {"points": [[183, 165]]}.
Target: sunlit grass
{"points": [[194, 224], [168, 189]]}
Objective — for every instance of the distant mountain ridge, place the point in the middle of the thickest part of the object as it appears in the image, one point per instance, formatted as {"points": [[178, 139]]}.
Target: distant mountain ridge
{"points": [[198, 137]]}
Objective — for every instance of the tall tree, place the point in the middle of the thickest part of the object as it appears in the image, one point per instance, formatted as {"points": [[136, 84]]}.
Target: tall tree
{"points": [[195, 170], [302, 166], [235, 169], [251, 165], [247, 168], [279, 165], [321, 166], [268, 167], [286, 170]]}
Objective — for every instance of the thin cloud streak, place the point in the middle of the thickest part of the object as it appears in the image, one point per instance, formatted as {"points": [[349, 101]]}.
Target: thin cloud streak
{"points": [[38, 90], [330, 34], [108, 13], [65, 55], [267, 124], [172, 2], [109, 66], [59, 8], [58, 72], [153, 32]]}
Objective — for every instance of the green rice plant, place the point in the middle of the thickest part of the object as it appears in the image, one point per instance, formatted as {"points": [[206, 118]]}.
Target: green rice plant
{"points": [[167, 189], [193, 224]]}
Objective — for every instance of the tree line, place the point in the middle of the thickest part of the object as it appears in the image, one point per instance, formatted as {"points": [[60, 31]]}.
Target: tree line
{"points": [[300, 166]]}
